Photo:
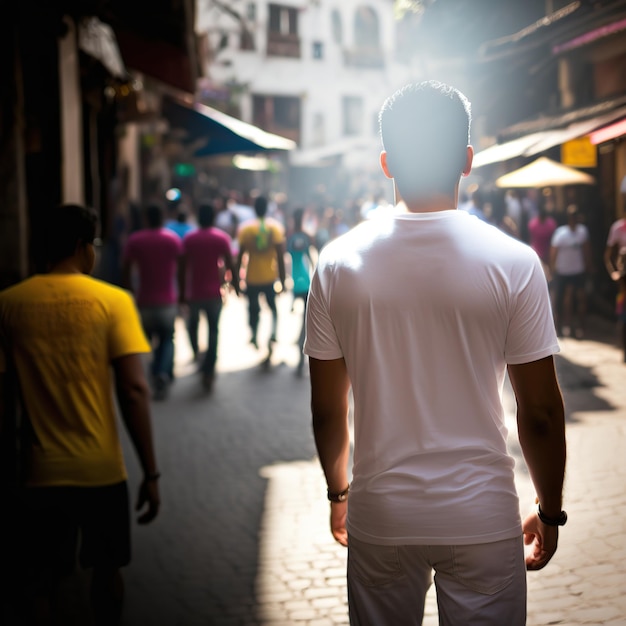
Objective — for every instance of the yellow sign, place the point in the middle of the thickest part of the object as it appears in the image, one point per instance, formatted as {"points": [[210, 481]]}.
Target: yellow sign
{"points": [[579, 153]]}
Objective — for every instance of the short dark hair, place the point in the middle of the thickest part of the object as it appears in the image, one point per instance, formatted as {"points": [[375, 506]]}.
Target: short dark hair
{"points": [[154, 215], [425, 130], [206, 214], [63, 228], [260, 206]]}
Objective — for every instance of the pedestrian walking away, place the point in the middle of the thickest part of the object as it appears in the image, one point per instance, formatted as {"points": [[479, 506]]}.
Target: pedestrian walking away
{"points": [[570, 265], [67, 341], [262, 256], [540, 231], [299, 246], [615, 262], [150, 267], [421, 313], [206, 258]]}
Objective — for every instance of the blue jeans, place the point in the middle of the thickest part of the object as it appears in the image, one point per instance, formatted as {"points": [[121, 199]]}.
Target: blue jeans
{"points": [[158, 325], [212, 308]]}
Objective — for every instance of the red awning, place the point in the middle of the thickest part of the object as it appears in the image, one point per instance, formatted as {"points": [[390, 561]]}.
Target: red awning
{"points": [[609, 132]]}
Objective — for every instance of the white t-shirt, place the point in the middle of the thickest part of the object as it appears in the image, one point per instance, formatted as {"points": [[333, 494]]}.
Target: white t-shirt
{"points": [[617, 235], [570, 258], [427, 310]]}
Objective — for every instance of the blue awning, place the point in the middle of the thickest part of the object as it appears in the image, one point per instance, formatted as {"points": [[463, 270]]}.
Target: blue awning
{"points": [[221, 133]]}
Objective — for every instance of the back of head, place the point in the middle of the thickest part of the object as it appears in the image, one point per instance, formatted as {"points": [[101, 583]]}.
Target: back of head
{"points": [[154, 215], [260, 206], [425, 130], [64, 228], [206, 214]]}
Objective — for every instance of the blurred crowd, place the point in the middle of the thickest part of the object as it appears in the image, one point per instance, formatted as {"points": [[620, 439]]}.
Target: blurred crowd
{"points": [[559, 235]]}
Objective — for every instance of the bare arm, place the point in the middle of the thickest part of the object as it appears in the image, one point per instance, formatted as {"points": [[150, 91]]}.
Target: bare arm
{"points": [[588, 257], [134, 401], [237, 276], [229, 264], [610, 261], [330, 385], [553, 253], [541, 429], [280, 258]]}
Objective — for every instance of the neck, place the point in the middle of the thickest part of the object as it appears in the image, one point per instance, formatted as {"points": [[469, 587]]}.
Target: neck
{"points": [[67, 266], [428, 204]]}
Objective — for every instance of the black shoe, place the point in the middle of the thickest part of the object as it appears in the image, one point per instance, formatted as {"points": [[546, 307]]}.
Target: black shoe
{"points": [[207, 382]]}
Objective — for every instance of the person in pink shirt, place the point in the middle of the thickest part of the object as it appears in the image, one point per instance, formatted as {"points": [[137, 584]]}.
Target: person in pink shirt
{"points": [[206, 257], [150, 262], [540, 230]]}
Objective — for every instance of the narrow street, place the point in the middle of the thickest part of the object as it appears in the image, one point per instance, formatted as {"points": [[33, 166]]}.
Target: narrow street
{"points": [[243, 535]]}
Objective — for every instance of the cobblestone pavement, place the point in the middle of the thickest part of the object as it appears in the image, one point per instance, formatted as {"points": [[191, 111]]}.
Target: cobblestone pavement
{"points": [[243, 535]]}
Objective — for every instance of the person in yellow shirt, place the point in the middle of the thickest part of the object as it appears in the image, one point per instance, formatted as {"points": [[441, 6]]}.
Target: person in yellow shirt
{"points": [[66, 341], [262, 253]]}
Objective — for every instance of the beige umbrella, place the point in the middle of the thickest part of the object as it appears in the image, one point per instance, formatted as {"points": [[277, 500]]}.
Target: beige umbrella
{"points": [[544, 172]]}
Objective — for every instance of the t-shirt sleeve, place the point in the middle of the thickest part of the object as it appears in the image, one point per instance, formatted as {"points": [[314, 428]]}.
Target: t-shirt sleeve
{"points": [[531, 333], [321, 341], [126, 333]]}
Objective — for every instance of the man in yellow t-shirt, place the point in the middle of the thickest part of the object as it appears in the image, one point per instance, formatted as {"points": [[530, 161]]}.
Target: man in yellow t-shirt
{"points": [[262, 253], [66, 341]]}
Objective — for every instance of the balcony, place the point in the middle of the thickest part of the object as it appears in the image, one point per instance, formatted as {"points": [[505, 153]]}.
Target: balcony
{"points": [[279, 45]]}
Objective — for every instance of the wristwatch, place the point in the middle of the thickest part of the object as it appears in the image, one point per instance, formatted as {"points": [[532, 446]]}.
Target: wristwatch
{"points": [[342, 496], [551, 521]]}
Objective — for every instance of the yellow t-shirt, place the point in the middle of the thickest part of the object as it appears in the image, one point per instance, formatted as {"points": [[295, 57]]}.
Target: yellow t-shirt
{"points": [[60, 332], [259, 238]]}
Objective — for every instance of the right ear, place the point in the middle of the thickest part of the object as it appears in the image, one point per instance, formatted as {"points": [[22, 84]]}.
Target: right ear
{"points": [[384, 165], [469, 158]]}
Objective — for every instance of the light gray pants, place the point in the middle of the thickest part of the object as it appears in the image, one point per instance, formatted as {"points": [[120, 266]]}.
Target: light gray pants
{"points": [[477, 585]]}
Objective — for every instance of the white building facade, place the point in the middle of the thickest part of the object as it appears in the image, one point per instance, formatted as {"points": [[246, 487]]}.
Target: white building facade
{"points": [[315, 71]]}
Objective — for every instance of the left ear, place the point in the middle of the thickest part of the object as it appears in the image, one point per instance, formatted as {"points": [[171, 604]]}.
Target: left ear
{"points": [[468, 161], [383, 164]]}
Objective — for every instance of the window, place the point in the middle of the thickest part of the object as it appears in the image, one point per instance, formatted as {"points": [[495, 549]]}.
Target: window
{"points": [[283, 20], [366, 51], [352, 115], [366, 28], [282, 36], [336, 27], [251, 11], [318, 133], [318, 50], [277, 114]]}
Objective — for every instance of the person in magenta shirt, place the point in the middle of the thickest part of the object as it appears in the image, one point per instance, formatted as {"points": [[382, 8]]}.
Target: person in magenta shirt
{"points": [[540, 230], [150, 262], [206, 258]]}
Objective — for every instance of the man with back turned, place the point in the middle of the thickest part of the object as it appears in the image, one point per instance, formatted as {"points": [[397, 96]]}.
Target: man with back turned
{"points": [[422, 313], [71, 350]]}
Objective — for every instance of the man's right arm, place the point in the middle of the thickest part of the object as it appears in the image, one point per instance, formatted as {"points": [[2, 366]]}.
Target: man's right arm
{"points": [[610, 261], [541, 430], [134, 400]]}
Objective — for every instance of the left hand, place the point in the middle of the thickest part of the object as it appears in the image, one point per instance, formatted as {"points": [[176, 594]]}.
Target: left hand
{"points": [[544, 540], [338, 515], [148, 494]]}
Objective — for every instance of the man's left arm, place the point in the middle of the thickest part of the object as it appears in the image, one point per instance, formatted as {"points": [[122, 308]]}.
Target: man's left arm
{"points": [[330, 385], [281, 249]]}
